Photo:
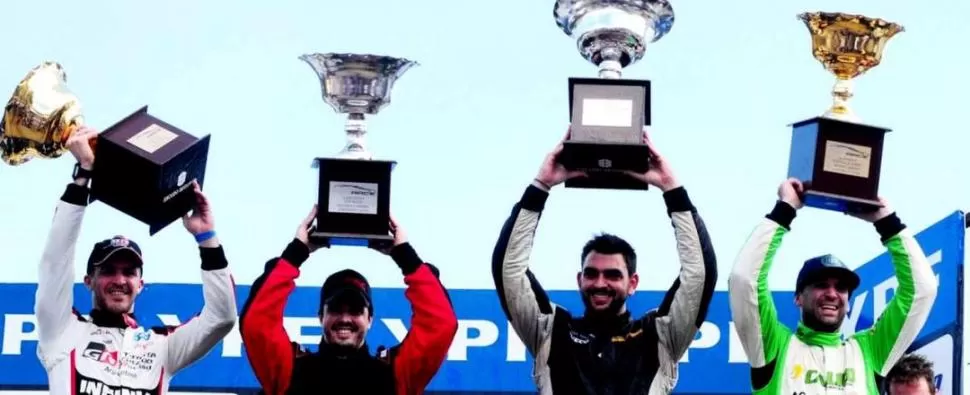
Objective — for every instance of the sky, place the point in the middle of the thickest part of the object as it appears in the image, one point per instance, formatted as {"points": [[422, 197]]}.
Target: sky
{"points": [[471, 124]]}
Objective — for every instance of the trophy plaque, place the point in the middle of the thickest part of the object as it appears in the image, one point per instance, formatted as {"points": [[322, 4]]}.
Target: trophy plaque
{"points": [[836, 156], [143, 168], [354, 192], [608, 114]]}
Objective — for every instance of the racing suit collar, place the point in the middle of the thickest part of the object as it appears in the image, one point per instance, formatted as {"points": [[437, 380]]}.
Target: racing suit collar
{"points": [[817, 338], [111, 320], [343, 351], [606, 324]]}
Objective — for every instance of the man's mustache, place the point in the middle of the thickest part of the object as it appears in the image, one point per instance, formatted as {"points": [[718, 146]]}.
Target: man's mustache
{"points": [[344, 325], [600, 291]]}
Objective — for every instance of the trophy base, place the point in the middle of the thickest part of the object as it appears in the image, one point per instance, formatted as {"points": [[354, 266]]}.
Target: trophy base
{"points": [[354, 198], [378, 242], [604, 164], [145, 169], [838, 162], [838, 203]]}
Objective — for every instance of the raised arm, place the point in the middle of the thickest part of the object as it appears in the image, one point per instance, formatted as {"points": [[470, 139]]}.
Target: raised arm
{"points": [[752, 306], [433, 323], [54, 300], [525, 303], [685, 305], [268, 348], [194, 339], [55, 278], [906, 313]]}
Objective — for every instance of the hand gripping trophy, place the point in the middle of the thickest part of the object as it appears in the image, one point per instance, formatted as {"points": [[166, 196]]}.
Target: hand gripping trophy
{"points": [[354, 189], [834, 155], [608, 114]]}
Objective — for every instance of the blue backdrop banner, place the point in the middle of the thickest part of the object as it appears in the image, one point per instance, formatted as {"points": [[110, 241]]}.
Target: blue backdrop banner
{"points": [[486, 355]]}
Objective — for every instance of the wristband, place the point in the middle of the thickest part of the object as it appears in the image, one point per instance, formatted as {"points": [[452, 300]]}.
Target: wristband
{"points": [[80, 172], [547, 186], [201, 237]]}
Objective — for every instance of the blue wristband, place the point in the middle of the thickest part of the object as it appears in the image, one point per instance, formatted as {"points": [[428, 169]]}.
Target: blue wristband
{"points": [[205, 236]]}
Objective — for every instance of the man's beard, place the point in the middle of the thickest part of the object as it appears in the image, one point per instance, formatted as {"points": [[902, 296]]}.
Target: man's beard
{"points": [[812, 321], [611, 310], [101, 300]]}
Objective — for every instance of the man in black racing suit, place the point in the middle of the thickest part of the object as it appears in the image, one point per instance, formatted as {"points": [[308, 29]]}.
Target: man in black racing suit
{"points": [[605, 351]]}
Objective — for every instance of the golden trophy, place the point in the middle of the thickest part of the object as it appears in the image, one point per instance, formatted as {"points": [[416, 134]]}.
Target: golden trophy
{"points": [[144, 168], [39, 117], [835, 155]]}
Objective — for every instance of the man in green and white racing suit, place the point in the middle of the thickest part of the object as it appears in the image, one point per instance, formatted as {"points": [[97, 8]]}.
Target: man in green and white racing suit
{"points": [[815, 358]]}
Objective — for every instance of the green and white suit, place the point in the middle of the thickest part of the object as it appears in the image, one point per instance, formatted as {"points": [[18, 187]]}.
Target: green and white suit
{"points": [[808, 362]]}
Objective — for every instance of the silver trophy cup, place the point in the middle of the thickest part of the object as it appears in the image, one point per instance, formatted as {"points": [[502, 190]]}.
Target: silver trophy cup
{"points": [[354, 189], [608, 113], [356, 85], [613, 34]]}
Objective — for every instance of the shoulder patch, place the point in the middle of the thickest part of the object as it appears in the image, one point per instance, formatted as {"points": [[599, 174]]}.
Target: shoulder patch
{"points": [[385, 354]]}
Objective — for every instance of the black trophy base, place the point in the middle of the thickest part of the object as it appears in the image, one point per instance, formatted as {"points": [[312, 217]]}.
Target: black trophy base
{"points": [[838, 162], [607, 117], [145, 169], [605, 164], [354, 199]]}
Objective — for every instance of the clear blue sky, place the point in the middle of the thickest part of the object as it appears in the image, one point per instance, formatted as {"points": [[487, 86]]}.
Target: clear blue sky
{"points": [[471, 124]]}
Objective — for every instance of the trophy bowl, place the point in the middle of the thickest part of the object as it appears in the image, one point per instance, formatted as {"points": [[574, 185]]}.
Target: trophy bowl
{"points": [[357, 83], [847, 45], [39, 117], [613, 34]]}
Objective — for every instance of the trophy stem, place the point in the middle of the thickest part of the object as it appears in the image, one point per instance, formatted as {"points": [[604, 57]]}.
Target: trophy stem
{"points": [[841, 93], [356, 147], [610, 65]]}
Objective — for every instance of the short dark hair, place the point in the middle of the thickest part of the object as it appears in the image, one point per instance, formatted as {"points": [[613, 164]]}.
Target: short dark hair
{"points": [[605, 243], [910, 368]]}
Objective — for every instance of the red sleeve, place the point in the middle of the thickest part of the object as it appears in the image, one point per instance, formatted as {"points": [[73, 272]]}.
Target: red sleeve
{"points": [[268, 347], [433, 327]]}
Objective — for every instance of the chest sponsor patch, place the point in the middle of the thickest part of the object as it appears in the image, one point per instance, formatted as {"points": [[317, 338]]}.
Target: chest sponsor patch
{"points": [[89, 386]]}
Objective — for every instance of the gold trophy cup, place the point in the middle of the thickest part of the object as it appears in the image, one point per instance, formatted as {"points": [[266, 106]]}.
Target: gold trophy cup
{"points": [[836, 156], [847, 45], [39, 117]]}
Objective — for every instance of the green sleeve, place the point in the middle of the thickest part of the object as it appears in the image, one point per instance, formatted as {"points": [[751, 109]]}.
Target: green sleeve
{"points": [[899, 324], [752, 307]]}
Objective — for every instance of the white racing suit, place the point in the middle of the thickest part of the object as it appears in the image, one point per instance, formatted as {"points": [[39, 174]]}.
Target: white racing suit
{"points": [[112, 354]]}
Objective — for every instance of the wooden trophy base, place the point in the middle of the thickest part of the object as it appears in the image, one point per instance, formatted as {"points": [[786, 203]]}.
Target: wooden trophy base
{"points": [[607, 117], [354, 201], [838, 162], [145, 169]]}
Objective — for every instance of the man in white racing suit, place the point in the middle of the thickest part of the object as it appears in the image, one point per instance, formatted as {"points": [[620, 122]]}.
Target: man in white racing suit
{"points": [[109, 352]]}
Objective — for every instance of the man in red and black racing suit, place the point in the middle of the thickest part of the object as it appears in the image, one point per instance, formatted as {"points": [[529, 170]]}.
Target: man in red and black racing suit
{"points": [[343, 364]]}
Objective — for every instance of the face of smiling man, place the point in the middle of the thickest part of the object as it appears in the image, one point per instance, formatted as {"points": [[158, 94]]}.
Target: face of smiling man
{"points": [[605, 283], [824, 304]]}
